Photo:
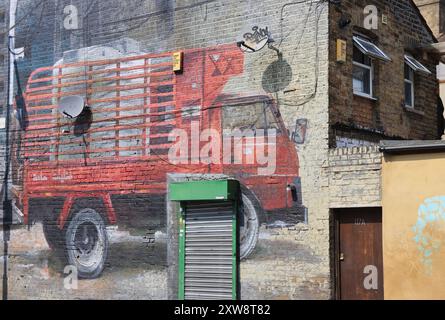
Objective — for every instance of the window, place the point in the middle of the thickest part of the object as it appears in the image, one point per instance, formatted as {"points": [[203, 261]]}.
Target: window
{"points": [[370, 49], [416, 65], [411, 66], [363, 69], [409, 86], [362, 73]]}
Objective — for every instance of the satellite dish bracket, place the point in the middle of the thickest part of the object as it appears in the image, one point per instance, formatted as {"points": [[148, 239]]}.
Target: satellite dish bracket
{"points": [[243, 44]]}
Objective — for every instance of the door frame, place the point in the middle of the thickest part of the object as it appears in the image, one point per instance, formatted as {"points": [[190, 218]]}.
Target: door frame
{"points": [[336, 254], [335, 214]]}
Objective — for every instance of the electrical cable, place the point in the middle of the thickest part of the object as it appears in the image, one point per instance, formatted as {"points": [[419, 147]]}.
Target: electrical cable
{"points": [[30, 35], [26, 15], [317, 65], [285, 102], [145, 18]]}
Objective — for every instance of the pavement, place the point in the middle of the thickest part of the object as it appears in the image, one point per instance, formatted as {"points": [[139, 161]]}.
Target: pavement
{"points": [[136, 269]]}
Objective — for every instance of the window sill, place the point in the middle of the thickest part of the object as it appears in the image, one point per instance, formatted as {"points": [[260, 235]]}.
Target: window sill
{"points": [[412, 110], [362, 95]]}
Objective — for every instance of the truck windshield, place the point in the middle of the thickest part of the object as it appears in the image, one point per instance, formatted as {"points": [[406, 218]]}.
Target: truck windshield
{"points": [[254, 116]]}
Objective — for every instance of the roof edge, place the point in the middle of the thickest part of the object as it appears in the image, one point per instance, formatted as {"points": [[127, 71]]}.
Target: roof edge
{"points": [[419, 147], [424, 20]]}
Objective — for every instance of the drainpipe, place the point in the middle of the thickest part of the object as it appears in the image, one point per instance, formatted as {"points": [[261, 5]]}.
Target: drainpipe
{"points": [[7, 205], [12, 15]]}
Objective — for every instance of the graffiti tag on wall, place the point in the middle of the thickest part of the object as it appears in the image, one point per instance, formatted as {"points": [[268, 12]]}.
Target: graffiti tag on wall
{"points": [[429, 230], [256, 40]]}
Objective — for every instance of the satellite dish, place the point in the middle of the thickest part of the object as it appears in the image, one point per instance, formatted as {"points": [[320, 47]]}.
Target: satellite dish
{"points": [[71, 106], [250, 47]]}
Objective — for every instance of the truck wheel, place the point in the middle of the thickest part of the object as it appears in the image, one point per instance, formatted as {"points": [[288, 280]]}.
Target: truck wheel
{"points": [[87, 243], [250, 228], [53, 235]]}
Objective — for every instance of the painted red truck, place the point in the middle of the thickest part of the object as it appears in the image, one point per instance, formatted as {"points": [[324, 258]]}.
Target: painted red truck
{"points": [[109, 165]]}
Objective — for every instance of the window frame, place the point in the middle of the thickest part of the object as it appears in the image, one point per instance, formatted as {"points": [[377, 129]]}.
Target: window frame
{"points": [[411, 82], [358, 41], [416, 65], [371, 76]]}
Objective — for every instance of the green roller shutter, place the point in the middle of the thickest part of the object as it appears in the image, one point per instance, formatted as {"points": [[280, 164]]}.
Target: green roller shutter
{"points": [[208, 240]]}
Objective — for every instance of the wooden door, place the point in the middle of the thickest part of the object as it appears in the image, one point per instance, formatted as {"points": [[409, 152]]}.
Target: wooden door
{"points": [[359, 254]]}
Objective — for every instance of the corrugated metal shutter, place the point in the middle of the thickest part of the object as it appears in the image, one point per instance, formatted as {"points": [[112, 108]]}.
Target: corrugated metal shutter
{"points": [[208, 263]]}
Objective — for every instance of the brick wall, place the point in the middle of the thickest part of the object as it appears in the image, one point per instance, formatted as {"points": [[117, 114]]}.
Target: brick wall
{"points": [[291, 260], [3, 86], [2, 156], [4, 18], [385, 116], [2, 172], [355, 177]]}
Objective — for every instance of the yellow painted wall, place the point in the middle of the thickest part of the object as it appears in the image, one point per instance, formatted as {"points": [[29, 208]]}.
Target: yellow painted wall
{"points": [[414, 210]]}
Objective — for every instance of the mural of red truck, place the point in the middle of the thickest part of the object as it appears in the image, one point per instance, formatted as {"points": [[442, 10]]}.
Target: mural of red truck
{"points": [[108, 166]]}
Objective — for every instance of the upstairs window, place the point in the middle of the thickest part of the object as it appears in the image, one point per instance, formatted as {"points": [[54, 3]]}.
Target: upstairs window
{"points": [[409, 86], [416, 66], [362, 73], [412, 66], [370, 49], [363, 69]]}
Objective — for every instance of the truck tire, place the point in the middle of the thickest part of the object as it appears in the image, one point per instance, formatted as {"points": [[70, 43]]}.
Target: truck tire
{"points": [[250, 227], [86, 243], [53, 235]]}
